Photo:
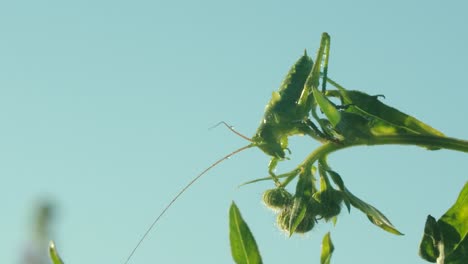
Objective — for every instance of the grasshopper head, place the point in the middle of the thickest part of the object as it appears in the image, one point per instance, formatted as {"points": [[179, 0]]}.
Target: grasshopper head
{"points": [[270, 141]]}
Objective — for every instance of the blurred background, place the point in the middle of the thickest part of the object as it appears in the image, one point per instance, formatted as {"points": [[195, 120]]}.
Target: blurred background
{"points": [[105, 108]]}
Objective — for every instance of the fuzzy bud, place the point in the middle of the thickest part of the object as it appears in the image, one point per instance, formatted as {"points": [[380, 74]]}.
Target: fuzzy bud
{"points": [[277, 198]]}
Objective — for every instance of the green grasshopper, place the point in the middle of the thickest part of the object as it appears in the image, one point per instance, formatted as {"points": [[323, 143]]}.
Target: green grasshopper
{"points": [[286, 114], [288, 111]]}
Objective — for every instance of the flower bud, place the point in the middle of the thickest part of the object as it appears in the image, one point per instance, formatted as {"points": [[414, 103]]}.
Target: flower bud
{"points": [[283, 219], [330, 203], [277, 198]]}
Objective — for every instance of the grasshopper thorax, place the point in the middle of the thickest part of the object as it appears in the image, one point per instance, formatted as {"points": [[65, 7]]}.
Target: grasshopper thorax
{"points": [[283, 111]]}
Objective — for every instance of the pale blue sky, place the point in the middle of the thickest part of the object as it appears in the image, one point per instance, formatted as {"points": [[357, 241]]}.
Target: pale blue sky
{"points": [[105, 108]]}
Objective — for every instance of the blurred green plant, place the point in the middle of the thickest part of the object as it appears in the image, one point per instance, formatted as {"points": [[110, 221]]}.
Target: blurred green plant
{"points": [[54, 256], [34, 251], [327, 249]]}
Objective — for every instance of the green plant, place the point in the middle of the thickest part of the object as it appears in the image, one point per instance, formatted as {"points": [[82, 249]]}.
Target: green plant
{"points": [[360, 119], [446, 240], [303, 106], [54, 256]]}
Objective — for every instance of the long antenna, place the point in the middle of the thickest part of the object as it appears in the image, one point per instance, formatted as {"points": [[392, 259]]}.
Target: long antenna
{"points": [[232, 130], [180, 193]]}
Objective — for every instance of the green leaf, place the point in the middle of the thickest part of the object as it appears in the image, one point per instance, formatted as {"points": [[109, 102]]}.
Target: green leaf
{"points": [[327, 249], [394, 120], [354, 126], [243, 246], [446, 240], [454, 223], [374, 215], [54, 256], [270, 178], [459, 256], [339, 182], [304, 191], [298, 213], [330, 110], [429, 247], [453, 227], [312, 83]]}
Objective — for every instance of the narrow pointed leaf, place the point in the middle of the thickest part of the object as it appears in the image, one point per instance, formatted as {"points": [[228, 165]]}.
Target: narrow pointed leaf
{"points": [[304, 191], [369, 105], [270, 178], [327, 249], [298, 213], [336, 179], [339, 182], [330, 111], [374, 215], [243, 246], [54, 256]]}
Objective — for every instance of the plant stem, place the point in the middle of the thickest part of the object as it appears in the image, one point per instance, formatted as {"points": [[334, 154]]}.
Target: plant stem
{"points": [[321, 151], [417, 140], [420, 140]]}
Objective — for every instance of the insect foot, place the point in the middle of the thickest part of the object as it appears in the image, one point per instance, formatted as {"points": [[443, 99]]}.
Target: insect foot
{"points": [[277, 199]]}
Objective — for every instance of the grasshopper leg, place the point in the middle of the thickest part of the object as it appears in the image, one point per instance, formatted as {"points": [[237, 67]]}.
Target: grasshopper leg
{"points": [[313, 131], [271, 170], [309, 128]]}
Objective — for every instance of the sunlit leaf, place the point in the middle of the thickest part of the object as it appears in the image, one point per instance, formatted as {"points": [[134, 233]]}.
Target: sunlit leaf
{"points": [[448, 233], [54, 256], [369, 105], [243, 246], [327, 249], [330, 111], [374, 215], [455, 220]]}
